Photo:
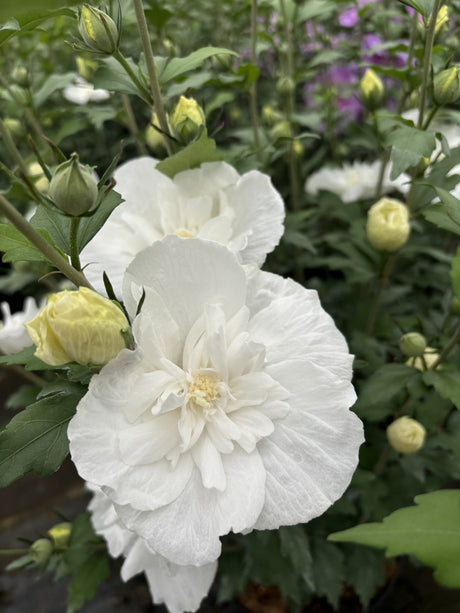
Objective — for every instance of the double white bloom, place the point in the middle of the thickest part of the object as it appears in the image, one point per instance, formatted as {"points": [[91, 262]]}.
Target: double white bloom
{"points": [[230, 414], [213, 202]]}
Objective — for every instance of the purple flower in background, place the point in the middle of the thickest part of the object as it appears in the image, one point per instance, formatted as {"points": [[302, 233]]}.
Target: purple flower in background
{"points": [[349, 17], [351, 107]]}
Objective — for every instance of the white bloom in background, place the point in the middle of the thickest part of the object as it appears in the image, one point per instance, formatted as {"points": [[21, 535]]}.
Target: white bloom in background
{"points": [[231, 413], [181, 588], [13, 334], [356, 181], [213, 202], [83, 92]]}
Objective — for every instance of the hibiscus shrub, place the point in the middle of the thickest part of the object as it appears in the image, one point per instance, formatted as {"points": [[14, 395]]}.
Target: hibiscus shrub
{"points": [[236, 257]]}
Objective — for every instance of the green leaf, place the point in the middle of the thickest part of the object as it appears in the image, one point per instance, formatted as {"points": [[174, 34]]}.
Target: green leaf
{"points": [[81, 536], [56, 224], [89, 226], [26, 358], [28, 16], [25, 395], [86, 580], [455, 273], [409, 145], [113, 77], [17, 247], [295, 546], [446, 382], [444, 214], [430, 531], [364, 571], [180, 65], [328, 570], [424, 7], [249, 72], [36, 439], [192, 156], [52, 83], [384, 384]]}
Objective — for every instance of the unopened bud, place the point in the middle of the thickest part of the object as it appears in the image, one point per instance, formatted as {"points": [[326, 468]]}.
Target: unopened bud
{"points": [[446, 86], [41, 551], [285, 86], [14, 126], [20, 75], [406, 435], [424, 361], [442, 18], [388, 225], [282, 129], [98, 30], [371, 88], [271, 115], [86, 68], [186, 118], [78, 326], [35, 172], [412, 344], [154, 137], [73, 189], [60, 533]]}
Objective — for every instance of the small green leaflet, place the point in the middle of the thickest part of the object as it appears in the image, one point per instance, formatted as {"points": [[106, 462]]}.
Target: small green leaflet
{"points": [[192, 156], [444, 214], [430, 531], [180, 65], [17, 247], [446, 382], [409, 145], [36, 438]]}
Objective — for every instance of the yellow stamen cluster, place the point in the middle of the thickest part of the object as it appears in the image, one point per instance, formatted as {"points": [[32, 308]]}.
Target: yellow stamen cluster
{"points": [[202, 391]]}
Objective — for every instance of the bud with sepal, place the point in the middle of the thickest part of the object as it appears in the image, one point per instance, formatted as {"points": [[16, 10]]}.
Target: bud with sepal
{"points": [[187, 119], [73, 188], [98, 30]]}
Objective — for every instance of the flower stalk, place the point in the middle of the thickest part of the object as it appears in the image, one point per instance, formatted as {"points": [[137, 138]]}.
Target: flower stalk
{"points": [[253, 87], [42, 245], [152, 71], [426, 66]]}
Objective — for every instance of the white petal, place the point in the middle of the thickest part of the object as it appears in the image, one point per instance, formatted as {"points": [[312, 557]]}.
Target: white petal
{"points": [[259, 215], [187, 531], [149, 441], [208, 273], [209, 463]]}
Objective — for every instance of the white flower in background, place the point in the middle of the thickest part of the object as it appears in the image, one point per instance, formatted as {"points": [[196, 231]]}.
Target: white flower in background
{"points": [[232, 412], [181, 588], [13, 334], [82, 92], [356, 181], [213, 202]]}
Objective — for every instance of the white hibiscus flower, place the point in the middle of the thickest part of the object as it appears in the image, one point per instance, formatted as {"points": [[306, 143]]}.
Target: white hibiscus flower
{"points": [[356, 181], [82, 92], [231, 413], [213, 202], [13, 334], [181, 588]]}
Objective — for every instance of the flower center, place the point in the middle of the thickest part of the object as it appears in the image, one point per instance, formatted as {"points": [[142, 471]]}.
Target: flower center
{"points": [[202, 391]]}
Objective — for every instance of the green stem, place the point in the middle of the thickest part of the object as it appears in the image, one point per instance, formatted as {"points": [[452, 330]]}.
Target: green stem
{"points": [[381, 463], [30, 376], [143, 92], [13, 552], [152, 71], [73, 242], [29, 116], [448, 348], [132, 125], [253, 87], [38, 241], [9, 144], [430, 117], [426, 68], [388, 268]]}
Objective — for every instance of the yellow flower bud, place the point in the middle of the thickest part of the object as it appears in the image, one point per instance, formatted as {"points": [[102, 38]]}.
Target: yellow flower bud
{"points": [[153, 137], [86, 68], [38, 176], [425, 361], [442, 18], [282, 129], [412, 344], [73, 188], [371, 88], [14, 126], [60, 533], [187, 117], [270, 114], [406, 435], [40, 551], [98, 30], [78, 326], [446, 86], [388, 225]]}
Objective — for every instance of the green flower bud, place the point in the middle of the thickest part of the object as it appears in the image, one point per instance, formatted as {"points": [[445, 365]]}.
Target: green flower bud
{"points": [[60, 533], [20, 75], [85, 67], [412, 344], [285, 86], [186, 118], [446, 86], [73, 188], [41, 551], [14, 126], [270, 115], [455, 306], [282, 129], [371, 88], [442, 18], [98, 30]]}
